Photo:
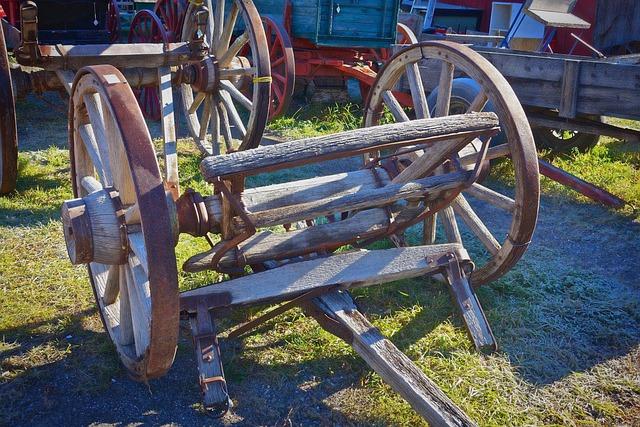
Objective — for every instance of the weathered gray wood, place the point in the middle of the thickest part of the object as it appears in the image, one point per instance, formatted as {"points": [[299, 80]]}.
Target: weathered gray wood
{"points": [[581, 124], [569, 100], [356, 201], [616, 23], [295, 153], [146, 55], [394, 367], [267, 245], [341, 270], [300, 191], [168, 130]]}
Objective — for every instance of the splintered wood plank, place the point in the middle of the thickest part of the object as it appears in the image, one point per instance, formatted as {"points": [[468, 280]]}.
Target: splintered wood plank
{"points": [[345, 270], [393, 366], [360, 200], [358, 141], [266, 245]]}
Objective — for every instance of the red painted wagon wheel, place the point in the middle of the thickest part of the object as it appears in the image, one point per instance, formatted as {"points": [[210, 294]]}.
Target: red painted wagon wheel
{"points": [[114, 26], [146, 27], [283, 67], [8, 130], [216, 109], [497, 241], [404, 35], [171, 13], [131, 259]]}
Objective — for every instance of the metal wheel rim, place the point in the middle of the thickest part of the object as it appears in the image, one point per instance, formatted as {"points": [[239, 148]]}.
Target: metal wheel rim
{"points": [[8, 130], [512, 118], [261, 77], [128, 145]]}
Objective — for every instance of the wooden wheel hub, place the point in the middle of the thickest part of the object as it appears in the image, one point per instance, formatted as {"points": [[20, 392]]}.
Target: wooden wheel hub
{"points": [[207, 76], [95, 229]]}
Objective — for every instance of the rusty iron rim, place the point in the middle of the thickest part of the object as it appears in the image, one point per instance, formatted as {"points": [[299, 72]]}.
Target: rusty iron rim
{"points": [[155, 223], [515, 126], [8, 130]]}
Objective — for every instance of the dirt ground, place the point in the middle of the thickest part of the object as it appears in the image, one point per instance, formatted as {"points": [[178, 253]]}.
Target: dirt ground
{"points": [[570, 236]]}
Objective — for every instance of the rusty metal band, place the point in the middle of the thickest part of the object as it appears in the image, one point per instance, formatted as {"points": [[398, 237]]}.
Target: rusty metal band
{"points": [[249, 229], [114, 195]]}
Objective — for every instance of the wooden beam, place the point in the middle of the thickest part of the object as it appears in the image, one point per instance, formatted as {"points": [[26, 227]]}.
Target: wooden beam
{"points": [[393, 366]]}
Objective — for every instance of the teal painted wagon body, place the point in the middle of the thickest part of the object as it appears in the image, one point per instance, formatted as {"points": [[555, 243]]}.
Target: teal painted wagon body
{"points": [[338, 23]]}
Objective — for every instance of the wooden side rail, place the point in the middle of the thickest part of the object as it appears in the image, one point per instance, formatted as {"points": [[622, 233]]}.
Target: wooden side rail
{"points": [[349, 143]]}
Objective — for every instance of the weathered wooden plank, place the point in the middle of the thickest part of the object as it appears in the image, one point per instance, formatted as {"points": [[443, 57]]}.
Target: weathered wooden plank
{"points": [[296, 153], [341, 270], [393, 366], [569, 99], [356, 201], [148, 55], [267, 245], [301, 191]]}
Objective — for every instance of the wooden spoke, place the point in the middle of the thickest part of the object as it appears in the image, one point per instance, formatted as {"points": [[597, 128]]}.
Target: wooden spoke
{"points": [[490, 196], [234, 49], [445, 86], [112, 285], [225, 126], [97, 157], [136, 288], [417, 92], [239, 48], [462, 208], [200, 97], [463, 81], [91, 184], [132, 214], [478, 103], [236, 94], [137, 283], [394, 106], [126, 336], [225, 97]]}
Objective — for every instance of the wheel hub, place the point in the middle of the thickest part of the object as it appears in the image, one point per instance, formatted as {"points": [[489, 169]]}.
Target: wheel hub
{"points": [[95, 228], [206, 75]]}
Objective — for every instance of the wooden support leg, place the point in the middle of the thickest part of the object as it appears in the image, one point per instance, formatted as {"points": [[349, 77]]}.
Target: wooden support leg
{"points": [[210, 372], [341, 317], [469, 306]]}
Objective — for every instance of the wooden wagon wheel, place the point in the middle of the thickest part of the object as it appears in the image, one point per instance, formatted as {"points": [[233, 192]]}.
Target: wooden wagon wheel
{"points": [[215, 106], [146, 27], [8, 130], [122, 228], [114, 25], [283, 67], [171, 13], [499, 241]]}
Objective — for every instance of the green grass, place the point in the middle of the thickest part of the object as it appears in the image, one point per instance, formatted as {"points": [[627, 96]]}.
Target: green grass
{"points": [[568, 335]]}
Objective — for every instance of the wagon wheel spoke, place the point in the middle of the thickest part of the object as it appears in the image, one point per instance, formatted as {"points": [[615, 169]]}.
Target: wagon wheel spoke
{"points": [[112, 285], [137, 283], [505, 202], [469, 216], [241, 88], [132, 263]]}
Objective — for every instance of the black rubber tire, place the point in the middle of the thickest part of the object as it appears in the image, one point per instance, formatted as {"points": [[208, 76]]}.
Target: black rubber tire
{"points": [[551, 139]]}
